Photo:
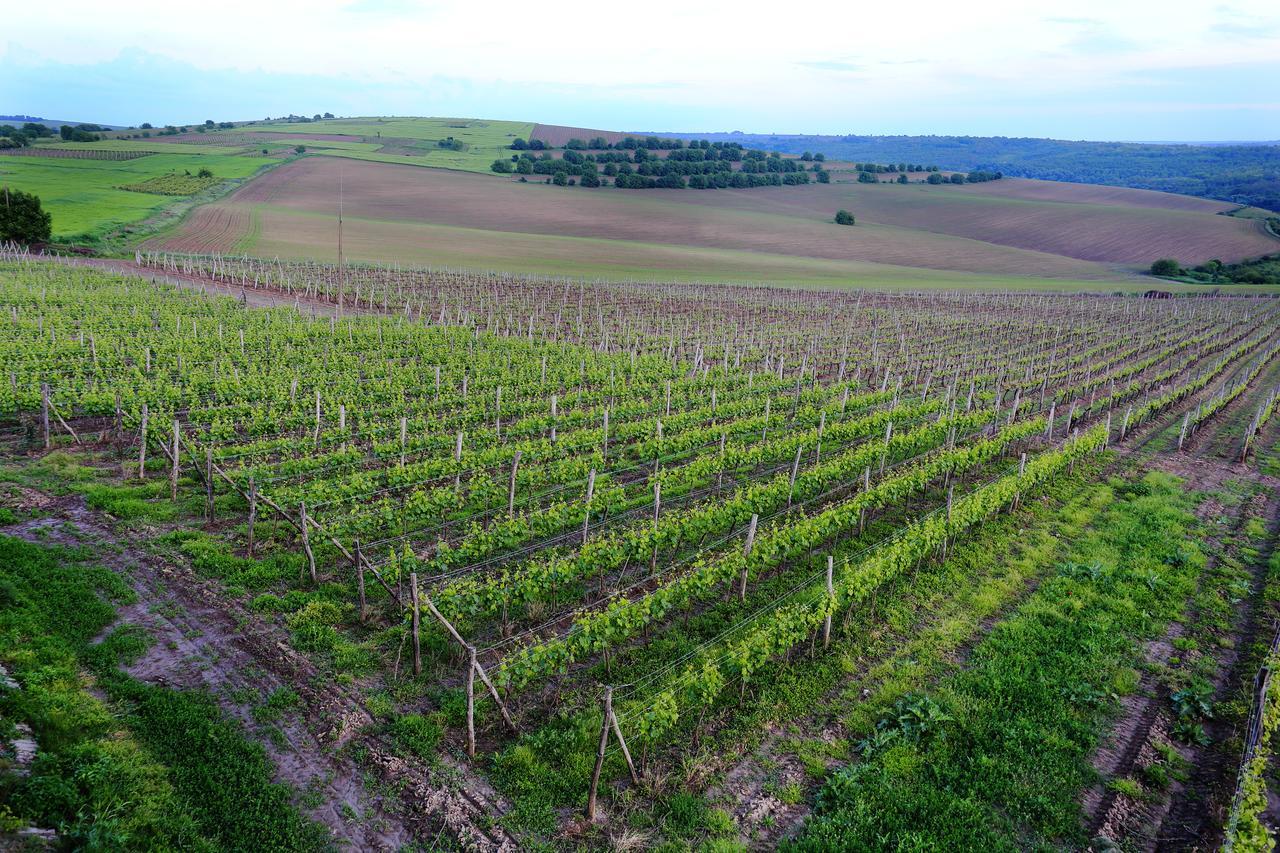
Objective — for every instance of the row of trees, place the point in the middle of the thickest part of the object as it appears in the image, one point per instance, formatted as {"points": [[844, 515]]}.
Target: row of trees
{"points": [[881, 168], [21, 137]]}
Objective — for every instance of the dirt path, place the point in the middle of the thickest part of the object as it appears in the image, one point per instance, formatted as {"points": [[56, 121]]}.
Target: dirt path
{"points": [[1190, 813], [200, 640]]}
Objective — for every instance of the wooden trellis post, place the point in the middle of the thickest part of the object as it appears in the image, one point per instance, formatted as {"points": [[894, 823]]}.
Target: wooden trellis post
{"points": [[44, 415], [795, 468], [746, 553], [511, 492], [142, 445], [608, 723], [657, 509], [306, 540], [253, 514], [359, 567], [586, 515], [208, 484], [417, 620], [176, 457], [826, 623]]}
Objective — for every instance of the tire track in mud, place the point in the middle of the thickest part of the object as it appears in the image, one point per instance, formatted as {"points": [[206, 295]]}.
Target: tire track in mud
{"points": [[202, 641]]}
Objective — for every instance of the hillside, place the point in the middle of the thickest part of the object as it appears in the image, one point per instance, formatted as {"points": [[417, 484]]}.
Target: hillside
{"points": [[941, 234], [1241, 173]]}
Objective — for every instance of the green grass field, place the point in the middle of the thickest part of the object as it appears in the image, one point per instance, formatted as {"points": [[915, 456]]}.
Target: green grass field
{"points": [[483, 140], [85, 198]]}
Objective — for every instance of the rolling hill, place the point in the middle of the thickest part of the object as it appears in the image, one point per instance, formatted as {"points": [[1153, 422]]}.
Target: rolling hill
{"points": [[944, 234]]}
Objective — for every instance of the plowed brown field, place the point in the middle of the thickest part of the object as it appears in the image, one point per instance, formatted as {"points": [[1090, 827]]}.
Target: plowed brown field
{"points": [[1007, 228]]}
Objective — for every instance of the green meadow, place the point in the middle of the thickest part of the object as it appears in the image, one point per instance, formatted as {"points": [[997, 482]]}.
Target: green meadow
{"points": [[85, 198]]}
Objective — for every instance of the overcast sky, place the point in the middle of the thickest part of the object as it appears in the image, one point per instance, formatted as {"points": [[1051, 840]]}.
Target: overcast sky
{"points": [[1090, 69]]}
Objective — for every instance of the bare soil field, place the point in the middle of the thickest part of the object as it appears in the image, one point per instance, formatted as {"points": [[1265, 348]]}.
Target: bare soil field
{"points": [[558, 135], [1007, 228], [390, 204]]}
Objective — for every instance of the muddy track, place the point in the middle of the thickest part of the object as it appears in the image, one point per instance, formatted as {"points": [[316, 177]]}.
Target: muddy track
{"points": [[202, 640], [1182, 820], [1197, 811]]}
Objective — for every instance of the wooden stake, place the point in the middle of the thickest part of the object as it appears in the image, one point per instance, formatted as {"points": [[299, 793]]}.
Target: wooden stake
{"points": [[416, 617], [306, 540], [208, 484], [586, 515], [826, 623], [511, 492], [622, 744], [359, 566], [471, 701], [253, 514], [142, 445], [604, 743], [795, 468], [746, 553], [176, 456], [44, 415]]}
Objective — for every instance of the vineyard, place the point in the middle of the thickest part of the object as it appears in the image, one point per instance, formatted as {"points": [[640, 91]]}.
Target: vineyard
{"points": [[581, 526]]}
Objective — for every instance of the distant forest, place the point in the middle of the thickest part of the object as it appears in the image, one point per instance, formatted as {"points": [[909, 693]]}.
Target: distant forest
{"points": [[1244, 174]]}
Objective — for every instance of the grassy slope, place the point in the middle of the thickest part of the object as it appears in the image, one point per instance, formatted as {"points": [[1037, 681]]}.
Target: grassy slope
{"points": [[83, 195], [163, 768], [1004, 769]]}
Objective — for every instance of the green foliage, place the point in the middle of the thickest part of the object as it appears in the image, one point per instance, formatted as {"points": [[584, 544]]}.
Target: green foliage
{"points": [[22, 218], [1166, 267], [417, 734], [171, 772], [844, 217], [1006, 773]]}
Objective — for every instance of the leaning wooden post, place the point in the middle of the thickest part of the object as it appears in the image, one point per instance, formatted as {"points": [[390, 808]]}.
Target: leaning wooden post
{"points": [[44, 415], [795, 468], [415, 615], [404, 438], [884, 454], [951, 492], [142, 445], [1124, 426], [208, 484], [657, 509], [746, 555], [253, 514], [457, 461], [1182, 436], [471, 701], [826, 623], [1048, 424], [604, 743], [622, 744], [586, 515], [604, 441], [173, 470], [306, 539], [866, 487], [511, 492], [359, 564]]}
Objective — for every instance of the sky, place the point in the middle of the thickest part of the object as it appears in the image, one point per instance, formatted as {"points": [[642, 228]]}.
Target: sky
{"points": [[1091, 69]]}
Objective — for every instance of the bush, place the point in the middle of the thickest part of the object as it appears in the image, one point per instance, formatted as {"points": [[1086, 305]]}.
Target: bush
{"points": [[1166, 266], [844, 217], [22, 219]]}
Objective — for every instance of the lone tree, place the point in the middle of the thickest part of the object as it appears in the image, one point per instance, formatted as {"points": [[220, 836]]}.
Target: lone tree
{"points": [[1166, 266], [844, 217], [22, 219]]}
